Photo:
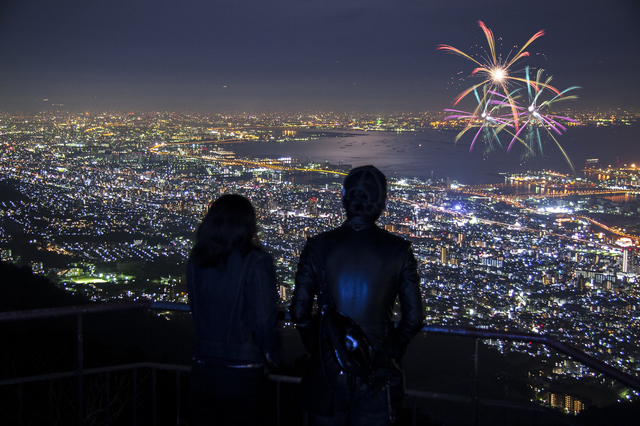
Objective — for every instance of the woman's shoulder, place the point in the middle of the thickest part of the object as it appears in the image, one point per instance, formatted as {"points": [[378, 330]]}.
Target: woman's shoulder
{"points": [[261, 264]]}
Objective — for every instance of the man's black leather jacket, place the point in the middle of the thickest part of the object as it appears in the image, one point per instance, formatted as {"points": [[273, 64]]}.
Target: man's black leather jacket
{"points": [[365, 269], [232, 324]]}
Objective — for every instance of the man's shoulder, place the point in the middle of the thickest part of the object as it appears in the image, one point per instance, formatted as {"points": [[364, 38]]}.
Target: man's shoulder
{"points": [[345, 232]]}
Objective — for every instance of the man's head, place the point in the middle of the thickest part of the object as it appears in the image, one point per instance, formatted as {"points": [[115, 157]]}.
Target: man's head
{"points": [[364, 193]]}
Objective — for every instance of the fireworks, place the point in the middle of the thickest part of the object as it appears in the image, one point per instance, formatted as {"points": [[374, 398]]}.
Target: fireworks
{"points": [[486, 116], [494, 70], [497, 79], [535, 119]]}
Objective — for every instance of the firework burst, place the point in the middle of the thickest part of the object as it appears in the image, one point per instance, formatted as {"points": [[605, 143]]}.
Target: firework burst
{"points": [[485, 116], [494, 70], [535, 118], [497, 75]]}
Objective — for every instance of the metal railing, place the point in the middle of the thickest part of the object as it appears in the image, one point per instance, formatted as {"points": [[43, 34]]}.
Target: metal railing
{"points": [[95, 308], [484, 334]]}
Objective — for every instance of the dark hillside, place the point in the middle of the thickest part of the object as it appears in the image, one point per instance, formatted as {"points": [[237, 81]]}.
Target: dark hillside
{"points": [[20, 290]]}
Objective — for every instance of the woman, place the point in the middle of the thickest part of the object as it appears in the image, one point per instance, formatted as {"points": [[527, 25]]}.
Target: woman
{"points": [[233, 299]]}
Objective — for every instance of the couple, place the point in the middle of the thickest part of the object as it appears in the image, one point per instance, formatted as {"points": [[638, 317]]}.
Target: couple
{"points": [[232, 294]]}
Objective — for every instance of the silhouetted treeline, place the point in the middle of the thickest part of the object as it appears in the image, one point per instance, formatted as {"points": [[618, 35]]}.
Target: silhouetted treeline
{"points": [[21, 290]]}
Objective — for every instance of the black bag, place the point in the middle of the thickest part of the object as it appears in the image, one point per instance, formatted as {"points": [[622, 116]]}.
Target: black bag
{"points": [[343, 340], [367, 371], [349, 345]]}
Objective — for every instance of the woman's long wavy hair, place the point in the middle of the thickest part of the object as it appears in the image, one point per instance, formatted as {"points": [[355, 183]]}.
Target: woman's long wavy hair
{"points": [[230, 224]]}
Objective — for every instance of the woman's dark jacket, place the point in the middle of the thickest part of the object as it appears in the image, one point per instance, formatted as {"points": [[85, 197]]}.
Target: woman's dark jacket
{"points": [[233, 323], [365, 269]]}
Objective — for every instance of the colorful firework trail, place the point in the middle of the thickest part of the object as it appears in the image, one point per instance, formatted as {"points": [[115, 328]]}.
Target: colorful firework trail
{"points": [[486, 113], [497, 77], [535, 119]]}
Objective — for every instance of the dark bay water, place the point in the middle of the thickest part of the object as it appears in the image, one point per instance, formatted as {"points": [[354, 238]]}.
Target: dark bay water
{"points": [[433, 153]]}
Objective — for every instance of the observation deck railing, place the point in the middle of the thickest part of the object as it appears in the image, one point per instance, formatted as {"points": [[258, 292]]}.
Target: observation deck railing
{"points": [[80, 372]]}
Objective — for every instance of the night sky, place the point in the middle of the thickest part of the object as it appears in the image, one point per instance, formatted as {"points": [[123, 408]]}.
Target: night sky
{"points": [[288, 56]]}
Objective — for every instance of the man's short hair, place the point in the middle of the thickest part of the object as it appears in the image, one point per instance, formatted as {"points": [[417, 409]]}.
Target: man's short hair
{"points": [[364, 193]]}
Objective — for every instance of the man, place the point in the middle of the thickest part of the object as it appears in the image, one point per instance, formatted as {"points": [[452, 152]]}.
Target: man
{"points": [[364, 269]]}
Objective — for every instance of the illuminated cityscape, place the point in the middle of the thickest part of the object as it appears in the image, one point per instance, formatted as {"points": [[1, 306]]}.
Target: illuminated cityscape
{"points": [[105, 205]]}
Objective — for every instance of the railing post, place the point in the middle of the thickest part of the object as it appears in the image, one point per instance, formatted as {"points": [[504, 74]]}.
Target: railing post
{"points": [[79, 368], [135, 396], [153, 395], [278, 403], [20, 404], [108, 398], [474, 383], [50, 402], [415, 412], [178, 397]]}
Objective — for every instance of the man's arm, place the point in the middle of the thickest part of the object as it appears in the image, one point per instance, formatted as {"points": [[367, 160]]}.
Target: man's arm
{"points": [[410, 307]]}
